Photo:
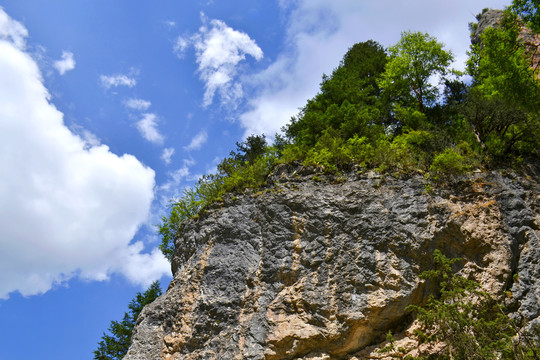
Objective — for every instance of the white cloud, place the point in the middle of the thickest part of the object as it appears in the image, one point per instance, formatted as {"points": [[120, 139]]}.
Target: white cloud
{"points": [[170, 24], [181, 45], [137, 104], [321, 31], [66, 64], [90, 139], [167, 154], [219, 49], [108, 81], [172, 188], [67, 209], [147, 126], [12, 30], [197, 141]]}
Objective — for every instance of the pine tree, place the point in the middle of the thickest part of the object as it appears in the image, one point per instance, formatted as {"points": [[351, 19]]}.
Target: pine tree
{"points": [[115, 345]]}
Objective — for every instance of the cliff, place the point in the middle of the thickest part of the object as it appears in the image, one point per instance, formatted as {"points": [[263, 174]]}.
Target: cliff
{"points": [[321, 267]]}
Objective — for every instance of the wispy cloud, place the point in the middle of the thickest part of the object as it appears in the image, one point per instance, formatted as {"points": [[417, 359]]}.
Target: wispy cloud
{"points": [[181, 45], [137, 104], [171, 188], [171, 24], [167, 154], [198, 141], [12, 30], [108, 81], [147, 126], [219, 49], [89, 137], [66, 64]]}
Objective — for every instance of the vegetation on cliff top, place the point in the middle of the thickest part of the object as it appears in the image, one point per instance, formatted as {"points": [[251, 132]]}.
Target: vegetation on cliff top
{"points": [[400, 110]]}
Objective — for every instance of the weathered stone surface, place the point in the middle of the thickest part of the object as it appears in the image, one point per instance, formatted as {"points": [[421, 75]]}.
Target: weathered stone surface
{"points": [[318, 270]]}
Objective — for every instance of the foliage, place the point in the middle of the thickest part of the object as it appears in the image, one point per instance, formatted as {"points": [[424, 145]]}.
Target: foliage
{"points": [[247, 167], [449, 162], [250, 149], [466, 321], [413, 61], [115, 345], [500, 65], [503, 105], [380, 109], [348, 100], [463, 322], [529, 11]]}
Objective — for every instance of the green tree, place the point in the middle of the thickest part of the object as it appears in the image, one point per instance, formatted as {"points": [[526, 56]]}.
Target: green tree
{"points": [[414, 60], [529, 11], [349, 99], [116, 345], [504, 104], [247, 151], [466, 322], [500, 66]]}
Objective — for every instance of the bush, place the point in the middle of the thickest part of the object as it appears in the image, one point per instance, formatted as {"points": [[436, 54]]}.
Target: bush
{"points": [[448, 163], [234, 175]]}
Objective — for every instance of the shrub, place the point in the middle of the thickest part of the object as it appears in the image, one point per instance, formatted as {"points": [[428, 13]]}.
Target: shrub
{"points": [[450, 162]]}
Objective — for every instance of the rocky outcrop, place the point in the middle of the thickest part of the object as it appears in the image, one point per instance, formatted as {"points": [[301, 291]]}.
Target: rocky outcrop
{"points": [[321, 267]]}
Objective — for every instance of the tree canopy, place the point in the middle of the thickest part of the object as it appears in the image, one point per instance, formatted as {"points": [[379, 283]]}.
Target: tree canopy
{"points": [[348, 100], [414, 61], [504, 102], [401, 110], [529, 11]]}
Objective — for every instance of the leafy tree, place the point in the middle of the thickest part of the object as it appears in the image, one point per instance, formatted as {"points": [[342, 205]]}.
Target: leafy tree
{"points": [[500, 66], [497, 125], [349, 99], [529, 11], [116, 345], [504, 103], [466, 322], [415, 59]]}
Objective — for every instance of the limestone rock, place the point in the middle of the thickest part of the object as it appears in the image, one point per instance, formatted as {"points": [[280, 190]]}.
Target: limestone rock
{"points": [[322, 268]]}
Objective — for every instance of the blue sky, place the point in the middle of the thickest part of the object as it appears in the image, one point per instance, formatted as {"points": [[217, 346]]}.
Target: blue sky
{"points": [[108, 109]]}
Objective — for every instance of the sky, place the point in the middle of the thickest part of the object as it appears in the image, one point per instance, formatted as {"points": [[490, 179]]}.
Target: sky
{"points": [[109, 109]]}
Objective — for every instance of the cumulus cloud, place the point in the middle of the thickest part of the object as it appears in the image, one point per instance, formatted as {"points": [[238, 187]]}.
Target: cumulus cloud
{"points": [[67, 208], [108, 81], [147, 126], [219, 49], [198, 141], [137, 104], [66, 64], [321, 31], [167, 154]]}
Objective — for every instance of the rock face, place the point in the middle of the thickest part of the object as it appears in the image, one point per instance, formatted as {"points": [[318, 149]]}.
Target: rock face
{"points": [[318, 267]]}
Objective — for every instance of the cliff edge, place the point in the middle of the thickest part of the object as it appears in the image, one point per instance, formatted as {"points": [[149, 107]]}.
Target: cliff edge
{"points": [[321, 267]]}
